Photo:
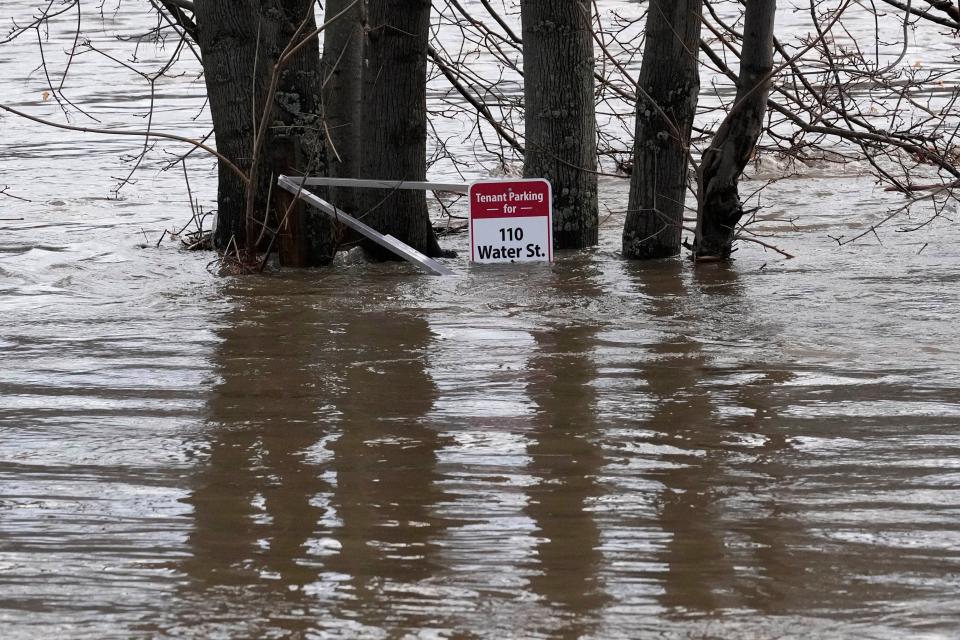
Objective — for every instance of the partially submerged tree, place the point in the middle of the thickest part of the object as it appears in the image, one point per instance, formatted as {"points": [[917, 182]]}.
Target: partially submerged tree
{"points": [[342, 94], [719, 207], [267, 53], [666, 105], [393, 121], [266, 119], [559, 114]]}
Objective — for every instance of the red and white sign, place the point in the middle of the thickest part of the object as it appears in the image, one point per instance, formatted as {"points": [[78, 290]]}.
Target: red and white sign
{"points": [[511, 221]]}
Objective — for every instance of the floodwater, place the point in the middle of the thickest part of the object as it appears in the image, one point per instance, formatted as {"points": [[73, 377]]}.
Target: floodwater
{"points": [[591, 449]]}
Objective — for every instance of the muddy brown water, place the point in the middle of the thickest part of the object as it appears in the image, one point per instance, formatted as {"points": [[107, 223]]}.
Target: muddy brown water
{"points": [[590, 449]]}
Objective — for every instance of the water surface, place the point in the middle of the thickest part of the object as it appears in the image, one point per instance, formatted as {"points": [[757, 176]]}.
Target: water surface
{"points": [[591, 449]]}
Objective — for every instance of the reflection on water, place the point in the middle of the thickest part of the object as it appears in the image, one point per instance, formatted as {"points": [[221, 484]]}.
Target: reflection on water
{"points": [[566, 462], [593, 449], [706, 452], [254, 504], [318, 488], [682, 425], [385, 464]]}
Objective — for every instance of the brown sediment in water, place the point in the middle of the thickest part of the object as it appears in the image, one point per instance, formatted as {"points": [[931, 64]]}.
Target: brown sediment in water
{"points": [[590, 449]]}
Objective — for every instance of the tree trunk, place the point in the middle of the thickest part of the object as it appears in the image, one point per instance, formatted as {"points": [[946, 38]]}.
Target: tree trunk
{"points": [[240, 41], [297, 143], [227, 36], [342, 91], [669, 85], [394, 123], [560, 122], [720, 208]]}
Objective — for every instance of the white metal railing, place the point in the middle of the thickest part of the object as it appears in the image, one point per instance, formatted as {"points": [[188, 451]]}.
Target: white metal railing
{"points": [[296, 186]]}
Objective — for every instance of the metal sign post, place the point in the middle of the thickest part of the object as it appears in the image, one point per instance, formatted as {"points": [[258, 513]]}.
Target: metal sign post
{"points": [[408, 253]]}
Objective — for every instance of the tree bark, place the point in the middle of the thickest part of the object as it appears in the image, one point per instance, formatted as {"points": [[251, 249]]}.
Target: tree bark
{"points": [[669, 85], [720, 208], [240, 42], [227, 36], [342, 91], [394, 123], [560, 121], [297, 142]]}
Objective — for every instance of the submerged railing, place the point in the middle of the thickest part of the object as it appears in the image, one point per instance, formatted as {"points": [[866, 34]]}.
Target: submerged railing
{"points": [[297, 187]]}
